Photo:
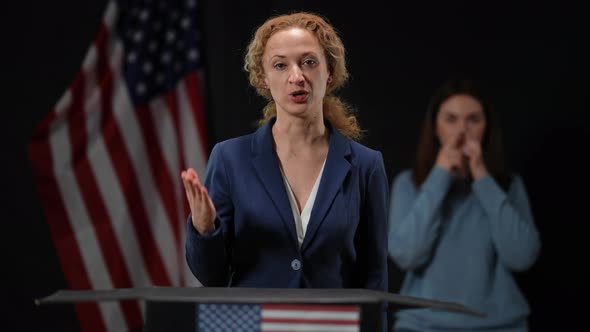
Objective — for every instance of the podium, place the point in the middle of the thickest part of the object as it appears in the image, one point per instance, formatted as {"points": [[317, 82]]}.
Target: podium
{"points": [[177, 308]]}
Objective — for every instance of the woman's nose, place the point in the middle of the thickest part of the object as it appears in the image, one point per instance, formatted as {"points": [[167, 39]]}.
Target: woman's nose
{"points": [[464, 126], [296, 75]]}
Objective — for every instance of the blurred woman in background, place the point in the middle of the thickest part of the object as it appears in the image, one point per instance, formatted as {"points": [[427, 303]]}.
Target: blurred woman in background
{"points": [[459, 223]]}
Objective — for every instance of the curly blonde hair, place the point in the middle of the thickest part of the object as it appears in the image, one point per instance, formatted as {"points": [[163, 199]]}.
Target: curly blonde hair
{"points": [[335, 110]]}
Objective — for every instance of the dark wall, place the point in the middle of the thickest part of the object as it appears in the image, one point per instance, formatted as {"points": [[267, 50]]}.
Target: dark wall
{"points": [[531, 56]]}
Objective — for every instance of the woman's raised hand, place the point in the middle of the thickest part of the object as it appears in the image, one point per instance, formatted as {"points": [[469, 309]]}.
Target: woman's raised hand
{"points": [[202, 209]]}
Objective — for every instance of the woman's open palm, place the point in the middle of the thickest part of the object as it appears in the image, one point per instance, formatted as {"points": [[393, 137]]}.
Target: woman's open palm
{"points": [[202, 208]]}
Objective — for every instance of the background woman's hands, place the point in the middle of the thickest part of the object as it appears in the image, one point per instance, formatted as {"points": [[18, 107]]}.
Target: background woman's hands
{"points": [[450, 156], [477, 167], [462, 155], [202, 209]]}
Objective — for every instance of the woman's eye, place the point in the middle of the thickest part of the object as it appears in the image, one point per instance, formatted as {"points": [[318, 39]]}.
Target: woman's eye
{"points": [[279, 66], [475, 119], [309, 62]]}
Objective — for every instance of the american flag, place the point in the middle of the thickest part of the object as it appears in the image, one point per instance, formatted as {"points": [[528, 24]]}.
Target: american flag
{"points": [[277, 317], [107, 159]]}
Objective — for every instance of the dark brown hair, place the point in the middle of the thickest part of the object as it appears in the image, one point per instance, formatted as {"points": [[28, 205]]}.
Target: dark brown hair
{"points": [[429, 145]]}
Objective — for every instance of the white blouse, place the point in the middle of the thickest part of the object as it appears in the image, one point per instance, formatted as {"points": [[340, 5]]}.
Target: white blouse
{"points": [[301, 220]]}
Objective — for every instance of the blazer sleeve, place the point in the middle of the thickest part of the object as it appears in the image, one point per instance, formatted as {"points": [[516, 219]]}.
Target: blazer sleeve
{"points": [[374, 215], [414, 217], [514, 234], [208, 256]]}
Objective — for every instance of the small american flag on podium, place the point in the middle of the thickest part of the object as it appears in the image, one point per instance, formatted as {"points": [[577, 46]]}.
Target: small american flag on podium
{"points": [[277, 317]]}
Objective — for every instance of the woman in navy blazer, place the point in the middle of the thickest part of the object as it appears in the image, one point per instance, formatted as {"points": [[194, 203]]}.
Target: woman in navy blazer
{"points": [[297, 203]]}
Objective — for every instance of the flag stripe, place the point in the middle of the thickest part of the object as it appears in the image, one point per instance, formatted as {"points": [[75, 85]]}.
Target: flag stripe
{"points": [[307, 327], [193, 150], [294, 317], [156, 160], [309, 314], [162, 177], [132, 137], [109, 246], [126, 235], [109, 58], [110, 131], [311, 307], [165, 156], [133, 198], [134, 149], [181, 203], [167, 161], [194, 91], [309, 320], [125, 146], [92, 261], [61, 230], [98, 62], [104, 172]]}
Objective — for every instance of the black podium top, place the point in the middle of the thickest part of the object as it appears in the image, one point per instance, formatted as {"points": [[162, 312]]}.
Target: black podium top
{"points": [[254, 296]]}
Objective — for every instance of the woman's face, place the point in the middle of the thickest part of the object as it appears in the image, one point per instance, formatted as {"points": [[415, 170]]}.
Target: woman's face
{"points": [[460, 116], [296, 71]]}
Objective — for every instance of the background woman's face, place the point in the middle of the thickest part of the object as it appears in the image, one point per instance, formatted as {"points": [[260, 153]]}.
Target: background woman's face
{"points": [[460, 115]]}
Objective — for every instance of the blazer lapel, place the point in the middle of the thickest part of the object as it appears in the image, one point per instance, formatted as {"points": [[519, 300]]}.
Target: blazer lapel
{"points": [[335, 171], [266, 165]]}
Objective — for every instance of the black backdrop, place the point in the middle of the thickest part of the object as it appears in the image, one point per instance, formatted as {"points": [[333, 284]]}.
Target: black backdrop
{"points": [[532, 55]]}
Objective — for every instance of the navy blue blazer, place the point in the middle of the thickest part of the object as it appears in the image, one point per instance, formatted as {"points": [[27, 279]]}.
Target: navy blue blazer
{"points": [[255, 243]]}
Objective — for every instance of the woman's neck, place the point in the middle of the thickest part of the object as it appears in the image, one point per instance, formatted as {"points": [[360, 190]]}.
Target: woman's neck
{"points": [[294, 133]]}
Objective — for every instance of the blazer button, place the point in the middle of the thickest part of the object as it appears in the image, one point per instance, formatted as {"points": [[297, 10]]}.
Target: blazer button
{"points": [[295, 264]]}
